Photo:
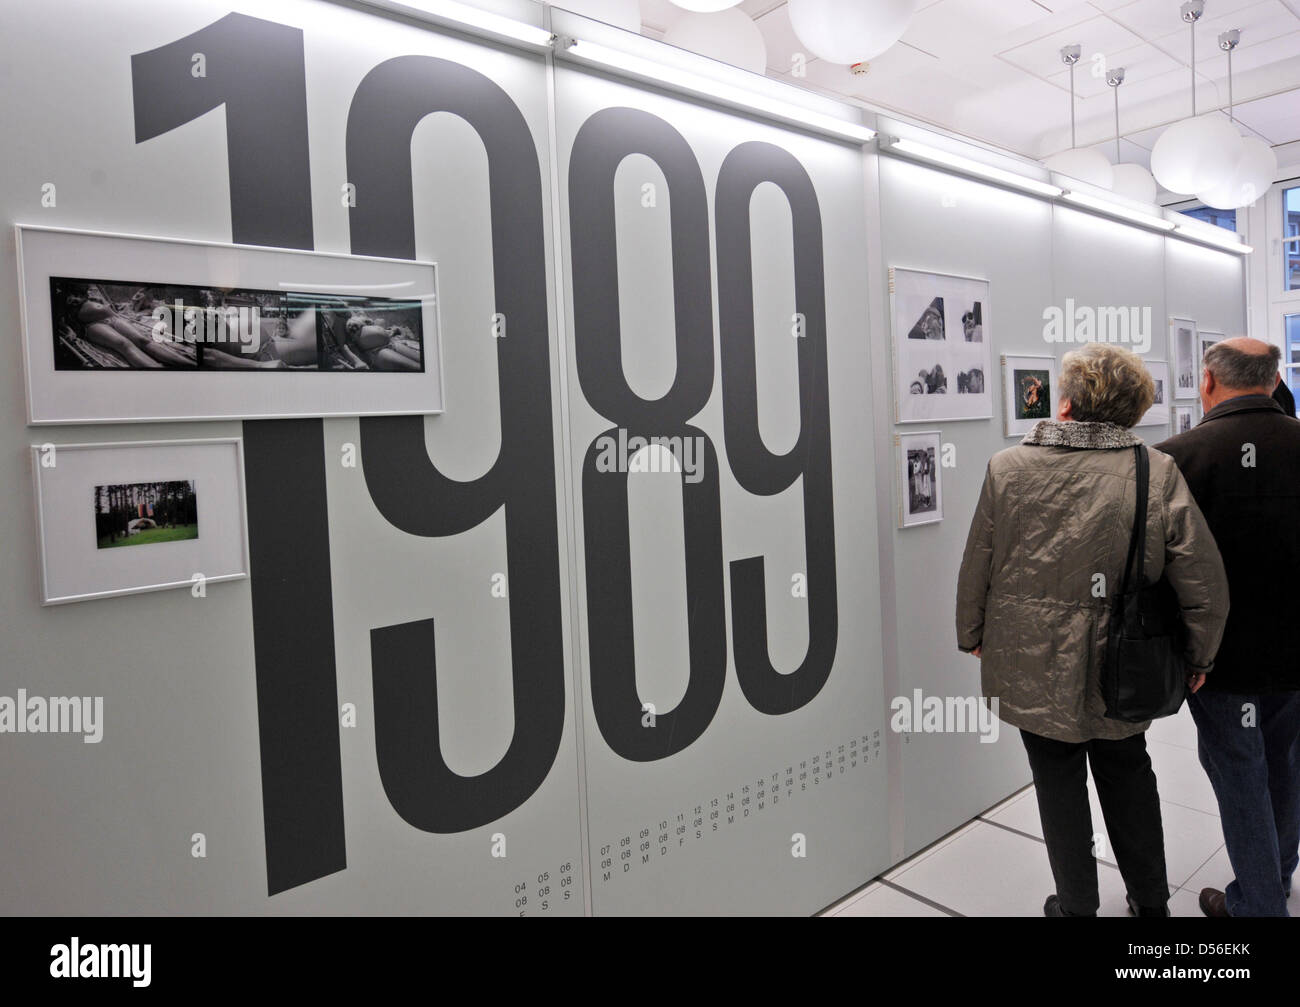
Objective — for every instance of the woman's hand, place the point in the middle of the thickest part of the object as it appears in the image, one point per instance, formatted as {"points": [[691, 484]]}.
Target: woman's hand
{"points": [[1194, 681], [979, 650]]}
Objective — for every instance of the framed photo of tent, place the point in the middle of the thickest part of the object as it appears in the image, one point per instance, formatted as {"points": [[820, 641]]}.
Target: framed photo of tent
{"points": [[1184, 344], [920, 498], [1028, 392], [1159, 411], [941, 338], [122, 328], [125, 517]]}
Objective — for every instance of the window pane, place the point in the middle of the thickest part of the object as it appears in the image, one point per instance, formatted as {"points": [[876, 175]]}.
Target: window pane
{"points": [[1291, 229], [1227, 219], [1291, 346], [1293, 382]]}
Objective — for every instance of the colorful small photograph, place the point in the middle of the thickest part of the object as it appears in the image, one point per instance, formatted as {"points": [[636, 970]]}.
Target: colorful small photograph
{"points": [[145, 513], [1033, 394]]}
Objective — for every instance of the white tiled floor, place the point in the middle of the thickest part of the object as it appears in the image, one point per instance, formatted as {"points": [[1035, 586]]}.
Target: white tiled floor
{"points": [[997, 865]]}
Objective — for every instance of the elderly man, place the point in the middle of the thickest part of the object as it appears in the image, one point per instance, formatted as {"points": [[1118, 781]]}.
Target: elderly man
{"points": [[1242, 463]]}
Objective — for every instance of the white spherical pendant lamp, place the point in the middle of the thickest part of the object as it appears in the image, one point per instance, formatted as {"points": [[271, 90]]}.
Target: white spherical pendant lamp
{"points": [[1196, 155], [1133, 181], [1085, 164], [850, 31], [1256, 168], [730, 36]]}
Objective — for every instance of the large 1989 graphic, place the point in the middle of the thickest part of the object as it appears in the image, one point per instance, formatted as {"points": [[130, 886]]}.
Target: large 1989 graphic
{"points": [[255, 69]]}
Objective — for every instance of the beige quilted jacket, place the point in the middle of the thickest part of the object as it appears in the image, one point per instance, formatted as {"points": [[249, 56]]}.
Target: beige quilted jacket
{"points": [[1046, 549]]}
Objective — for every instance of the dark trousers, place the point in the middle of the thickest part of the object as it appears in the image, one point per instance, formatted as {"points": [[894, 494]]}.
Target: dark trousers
{"points": [[1126, 787], [1250, 748]]}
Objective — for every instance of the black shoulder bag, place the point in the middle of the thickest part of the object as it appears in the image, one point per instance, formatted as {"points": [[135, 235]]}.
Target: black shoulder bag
{"points": [[1143, 676]]}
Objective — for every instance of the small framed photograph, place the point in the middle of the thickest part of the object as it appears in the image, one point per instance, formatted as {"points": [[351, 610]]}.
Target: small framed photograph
{"points": [[132, 516], [921, 496], [1184, 419], [1205, 339], [1159, 411], [1028, 392], [1184, 344]]}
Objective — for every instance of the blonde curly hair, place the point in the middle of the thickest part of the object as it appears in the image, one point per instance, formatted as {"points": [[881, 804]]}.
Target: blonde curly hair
{"points": [[1106, 384]]}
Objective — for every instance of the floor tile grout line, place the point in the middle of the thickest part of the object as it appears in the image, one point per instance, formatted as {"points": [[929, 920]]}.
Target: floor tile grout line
{"points": [[922, 899], [1040, 839]]}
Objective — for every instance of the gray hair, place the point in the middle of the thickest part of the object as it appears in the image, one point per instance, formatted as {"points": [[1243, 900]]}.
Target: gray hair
{"points": [[1106, 384], [1234, 368]]}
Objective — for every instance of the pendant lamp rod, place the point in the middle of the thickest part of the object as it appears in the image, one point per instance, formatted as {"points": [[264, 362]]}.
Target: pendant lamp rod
{"points": [[1115, 78], [1191, 13], [1228, 41], [1069, 56]]}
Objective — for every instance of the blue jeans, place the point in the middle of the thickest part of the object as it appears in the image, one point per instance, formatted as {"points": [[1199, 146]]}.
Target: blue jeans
{"points": [[1254, 766]]}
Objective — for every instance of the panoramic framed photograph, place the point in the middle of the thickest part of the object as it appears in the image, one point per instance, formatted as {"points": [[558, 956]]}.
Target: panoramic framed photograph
{"points": [[1184, 419], [941, 352], [1028, 392], [1185, 347], [124, 517], [921, 494], [1159, 411], [126, 328]]}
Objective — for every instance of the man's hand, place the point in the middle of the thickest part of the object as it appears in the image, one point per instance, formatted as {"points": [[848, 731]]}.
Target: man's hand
{"points": [[1194, 682], [978, 650]]}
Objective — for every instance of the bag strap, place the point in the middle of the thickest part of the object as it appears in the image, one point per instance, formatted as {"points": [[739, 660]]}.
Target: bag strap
{"points": [[1137, 541]]}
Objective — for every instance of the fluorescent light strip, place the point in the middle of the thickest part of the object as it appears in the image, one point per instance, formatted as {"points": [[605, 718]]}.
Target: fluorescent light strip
{"points": [[973, 167], [717, 90], [1207, 237], [459, 14], [1116, 210]]}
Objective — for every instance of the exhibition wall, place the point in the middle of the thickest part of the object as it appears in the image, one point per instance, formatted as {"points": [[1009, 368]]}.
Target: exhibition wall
{"points": [[508, 657]]}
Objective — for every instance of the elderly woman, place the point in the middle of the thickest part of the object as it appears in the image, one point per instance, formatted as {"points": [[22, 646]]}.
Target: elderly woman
{"points": [[1047, 546]]}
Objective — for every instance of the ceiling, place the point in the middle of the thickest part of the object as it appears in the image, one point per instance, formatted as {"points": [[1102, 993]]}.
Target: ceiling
{"points": [[991, 69]]}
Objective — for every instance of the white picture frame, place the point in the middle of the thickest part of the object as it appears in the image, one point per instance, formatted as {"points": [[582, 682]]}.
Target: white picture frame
{"points": [[1159, 411], [75, 566], [1024, 405], [1205, 338], [1184, 351], [945, 373], [82, 372], [1184, 418], [920, 497]]}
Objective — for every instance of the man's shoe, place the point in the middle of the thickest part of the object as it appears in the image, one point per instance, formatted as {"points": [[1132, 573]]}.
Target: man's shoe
{"points": [[1213, 902], [1052, 907], [1137, 910]]}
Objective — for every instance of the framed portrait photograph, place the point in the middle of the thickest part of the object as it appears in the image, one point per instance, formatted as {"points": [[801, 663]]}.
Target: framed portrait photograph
{"points": [[125, 517], [940, 337], [1184, 344], [1184, 419], [921, 492], [1159, 411], [126, 328], [1028, 392]]}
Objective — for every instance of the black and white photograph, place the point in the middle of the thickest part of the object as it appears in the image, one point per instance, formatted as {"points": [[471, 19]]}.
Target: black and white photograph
{"points": [[365, 334], [1205, 339], [1159, 411], [920, 494], [128, 514], [1028, 392], [140, 326], [931, 323], [1185, 347], [972, 323], [940, 346], [1184, 419]]}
